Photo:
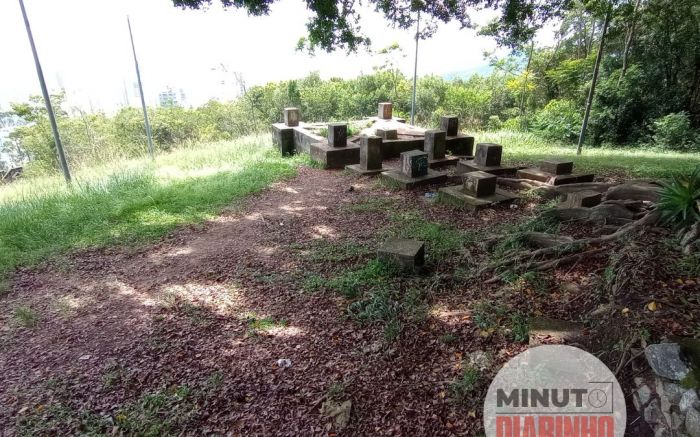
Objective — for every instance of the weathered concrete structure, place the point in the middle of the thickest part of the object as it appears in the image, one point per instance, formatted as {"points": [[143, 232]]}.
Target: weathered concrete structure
{"points": [[477, 191], [414, 171], [407, 255], [554, 172], [486, 159], [370, 157], [435, 147]]}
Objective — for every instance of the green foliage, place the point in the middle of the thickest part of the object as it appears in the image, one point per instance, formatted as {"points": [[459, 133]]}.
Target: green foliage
{"points": [[25, 316], [674, 132], [680, 199], [351, 283], [158, 413], [559, 120], [465, 385], [133, 201]]}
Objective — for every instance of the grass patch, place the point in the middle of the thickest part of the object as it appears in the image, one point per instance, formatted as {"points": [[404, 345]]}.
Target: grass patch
{"points": [[353, 282], [440, 240], [134, 201], [25, 316], [464, 386], [158, 413], [257, 324], [371, 204], [630, 162], [331, 251]]}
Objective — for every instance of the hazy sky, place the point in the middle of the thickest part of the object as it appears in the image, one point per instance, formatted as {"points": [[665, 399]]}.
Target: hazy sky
{"points": [[84, 48]]}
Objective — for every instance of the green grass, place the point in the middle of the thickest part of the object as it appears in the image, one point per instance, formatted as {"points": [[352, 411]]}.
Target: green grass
{"points": [[132, 202], [637, 162], [25, 316]]}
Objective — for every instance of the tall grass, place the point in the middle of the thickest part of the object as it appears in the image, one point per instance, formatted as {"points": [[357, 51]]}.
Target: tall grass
{"points": [[527, 148], [132, 201]]}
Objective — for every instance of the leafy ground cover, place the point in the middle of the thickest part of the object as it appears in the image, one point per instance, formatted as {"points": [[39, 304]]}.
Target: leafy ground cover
{"points": [[248, 315]]}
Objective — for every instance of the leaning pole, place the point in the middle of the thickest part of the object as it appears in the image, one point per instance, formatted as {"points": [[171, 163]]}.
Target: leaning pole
{"points": [[47, 100], [143, 100], [415, 73]]}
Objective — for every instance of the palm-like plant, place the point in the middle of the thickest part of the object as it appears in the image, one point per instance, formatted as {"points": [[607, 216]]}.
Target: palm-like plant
{"points": [[680, 200]]}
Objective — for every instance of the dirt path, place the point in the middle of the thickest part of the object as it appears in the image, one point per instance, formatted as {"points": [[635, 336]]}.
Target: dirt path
{"points": [[114, 325]]}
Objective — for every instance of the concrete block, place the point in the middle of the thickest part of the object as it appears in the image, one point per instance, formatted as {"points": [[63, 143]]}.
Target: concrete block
{"points": [[385, 111], [479, 183], [435, 144], [414, 163], [338, 134], [488, 154], [291, 117], [557, 166], [450, 124], [404, 254]]}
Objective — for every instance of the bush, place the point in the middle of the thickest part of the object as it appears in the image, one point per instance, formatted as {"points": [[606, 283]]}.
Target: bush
{"points": [[680, 199], [559, 120], [674, 132]]}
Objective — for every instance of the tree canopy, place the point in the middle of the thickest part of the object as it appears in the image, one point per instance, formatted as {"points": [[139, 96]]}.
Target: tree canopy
{"points": [[336, 23]]}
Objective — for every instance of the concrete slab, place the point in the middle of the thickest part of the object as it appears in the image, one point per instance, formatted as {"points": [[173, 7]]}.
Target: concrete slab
{"points": [[357, 168], [536, 174], [406, 182], [465, 166], [335, 157], [455, 196], [446, 161]]}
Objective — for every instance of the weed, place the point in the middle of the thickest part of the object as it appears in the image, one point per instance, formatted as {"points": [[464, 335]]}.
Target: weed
{"points": [[519, 327], [352, 282], [257, 324], [158, 413], [486, 314], [440, 240], [371, 204], [25, 316], [336, 391], [462, 387], [5, 288], [448, 338], [313, 282]]}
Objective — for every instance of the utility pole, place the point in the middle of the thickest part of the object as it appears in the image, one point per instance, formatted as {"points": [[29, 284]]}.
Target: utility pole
{"points": [[47, 100], [415, 73], [143, 100]]}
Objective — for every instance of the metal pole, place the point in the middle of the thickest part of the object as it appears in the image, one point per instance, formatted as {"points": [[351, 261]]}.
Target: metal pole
{"points": [[415, 73], [47, 100], [143, 100]]}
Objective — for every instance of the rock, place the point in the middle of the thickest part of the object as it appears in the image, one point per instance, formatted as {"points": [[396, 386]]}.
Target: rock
{"points": [[634, 191], [692, 423], [479, 360], [652, 413], [641, 397], [338, 411], [671, 391], [689, 400], [405, 254], [662, 432], [284, 363], [666, 362]]}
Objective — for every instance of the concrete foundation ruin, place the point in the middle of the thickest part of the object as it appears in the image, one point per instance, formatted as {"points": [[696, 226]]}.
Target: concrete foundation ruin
{"points": [[554, 172], [414, 171], [477, 191], [487, 159]]}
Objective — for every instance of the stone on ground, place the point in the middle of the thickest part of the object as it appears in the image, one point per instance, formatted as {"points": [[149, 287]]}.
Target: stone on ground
{"points": [[402, 253], [665, 360]]}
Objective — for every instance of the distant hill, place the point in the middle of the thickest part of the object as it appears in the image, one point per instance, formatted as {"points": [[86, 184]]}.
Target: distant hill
{"points": [[482, 70]]}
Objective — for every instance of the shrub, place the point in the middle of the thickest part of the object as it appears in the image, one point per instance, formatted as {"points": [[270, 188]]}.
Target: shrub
{"points": [[674, 132], [559, 120], [680, 199]]}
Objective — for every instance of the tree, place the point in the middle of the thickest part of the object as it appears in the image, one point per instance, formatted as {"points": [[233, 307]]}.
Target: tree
{"points": [[336, 23]]}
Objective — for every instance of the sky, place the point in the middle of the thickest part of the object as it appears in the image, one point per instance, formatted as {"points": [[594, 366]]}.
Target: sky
{"points": [[84, 48]]}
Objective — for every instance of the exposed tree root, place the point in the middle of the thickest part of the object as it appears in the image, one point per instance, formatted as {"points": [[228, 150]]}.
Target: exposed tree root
{"points": [[533, 259]]}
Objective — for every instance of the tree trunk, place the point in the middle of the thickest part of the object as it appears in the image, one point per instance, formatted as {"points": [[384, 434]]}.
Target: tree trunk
{"points": [[628, 41], [524, 90], [591, 93]]}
